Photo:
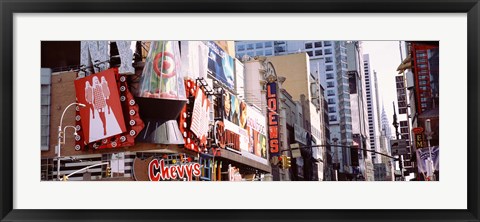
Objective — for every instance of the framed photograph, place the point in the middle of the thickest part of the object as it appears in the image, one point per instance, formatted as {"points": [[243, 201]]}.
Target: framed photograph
{"points": [[245, 111]]}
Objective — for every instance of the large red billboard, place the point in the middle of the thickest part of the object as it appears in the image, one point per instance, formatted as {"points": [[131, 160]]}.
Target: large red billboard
{"points": [[102, 117]]}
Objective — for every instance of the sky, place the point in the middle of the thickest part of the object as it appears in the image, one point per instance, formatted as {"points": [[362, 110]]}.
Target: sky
{"points": [[384, 59]]}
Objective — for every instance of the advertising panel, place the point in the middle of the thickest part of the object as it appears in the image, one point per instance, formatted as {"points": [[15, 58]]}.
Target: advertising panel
{"points": [[231, 109], [256, 132], [220, 64], [242, 135], [102, 117], [423, 156], [228, 135]]}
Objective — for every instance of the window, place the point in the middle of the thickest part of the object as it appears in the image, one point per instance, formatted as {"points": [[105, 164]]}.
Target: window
{"points": [[268, 44], [327, 43], [328, 60], [332, 118], [329, 68], [250, 54], [330, 92], [259, 45], [308, 45], [331, 101], [331, 109], [330, 84], [318, 44], [318, 52], [259, 53], [249, 46], [268, 52], [328, 51], [241, 47], [310, 53], [329, 75], [45, 108]]}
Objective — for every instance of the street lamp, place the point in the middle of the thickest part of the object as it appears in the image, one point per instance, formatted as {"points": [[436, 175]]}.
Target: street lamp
{"points": [[429, 133], [61, 135]]}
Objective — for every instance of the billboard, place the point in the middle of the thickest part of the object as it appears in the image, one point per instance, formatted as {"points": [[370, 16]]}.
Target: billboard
{"points": [[231, 109], [220, 64], [256, 132], [103, 116], [423, 156]]}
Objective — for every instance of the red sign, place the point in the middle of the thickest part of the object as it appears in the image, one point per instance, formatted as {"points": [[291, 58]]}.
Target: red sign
{"points": [[272, 119], [419, 138], [102, 117], [157, 170], [194, 124], [225, 137]]}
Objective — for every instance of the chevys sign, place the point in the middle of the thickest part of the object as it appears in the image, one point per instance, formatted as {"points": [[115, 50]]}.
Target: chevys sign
{"points": [[157, 170], [152, 169]]}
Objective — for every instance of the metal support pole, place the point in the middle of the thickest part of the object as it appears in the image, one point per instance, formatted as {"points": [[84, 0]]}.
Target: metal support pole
{"points": [[61, 136]]}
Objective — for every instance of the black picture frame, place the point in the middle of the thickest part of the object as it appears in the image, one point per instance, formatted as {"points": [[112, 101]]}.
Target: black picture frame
{"points": [[9, 7]]}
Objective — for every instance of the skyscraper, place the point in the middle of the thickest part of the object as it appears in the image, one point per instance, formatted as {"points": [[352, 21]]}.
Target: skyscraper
{"points": [[372, 104]]}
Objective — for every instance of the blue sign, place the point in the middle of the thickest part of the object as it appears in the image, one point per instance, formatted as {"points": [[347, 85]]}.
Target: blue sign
{"points": [[220, 64]]}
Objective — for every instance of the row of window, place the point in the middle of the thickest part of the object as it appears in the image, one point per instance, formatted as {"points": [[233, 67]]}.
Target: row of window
{"points": [[311, 45], [256, 53], [250, 46]]}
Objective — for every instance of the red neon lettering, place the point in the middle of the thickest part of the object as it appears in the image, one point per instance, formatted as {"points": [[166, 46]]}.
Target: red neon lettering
{"points": [[157, 170], [273, 146], [272, 104], [165, 174], [189, 172], [180, 171], [196, 169], [173, 174], [273, 132], [269, 92], [152, 167], [272, 119]]}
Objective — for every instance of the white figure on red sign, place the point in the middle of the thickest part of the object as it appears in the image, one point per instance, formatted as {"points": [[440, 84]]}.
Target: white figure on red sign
{"points": [[98, 95]]}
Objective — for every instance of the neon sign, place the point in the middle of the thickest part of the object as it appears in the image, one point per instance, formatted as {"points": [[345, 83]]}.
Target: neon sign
{"points": [[157, 170], [272, 118]]}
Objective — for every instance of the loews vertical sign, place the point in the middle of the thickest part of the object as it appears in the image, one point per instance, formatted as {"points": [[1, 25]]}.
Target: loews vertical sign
{"points": [[272, 119]]}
